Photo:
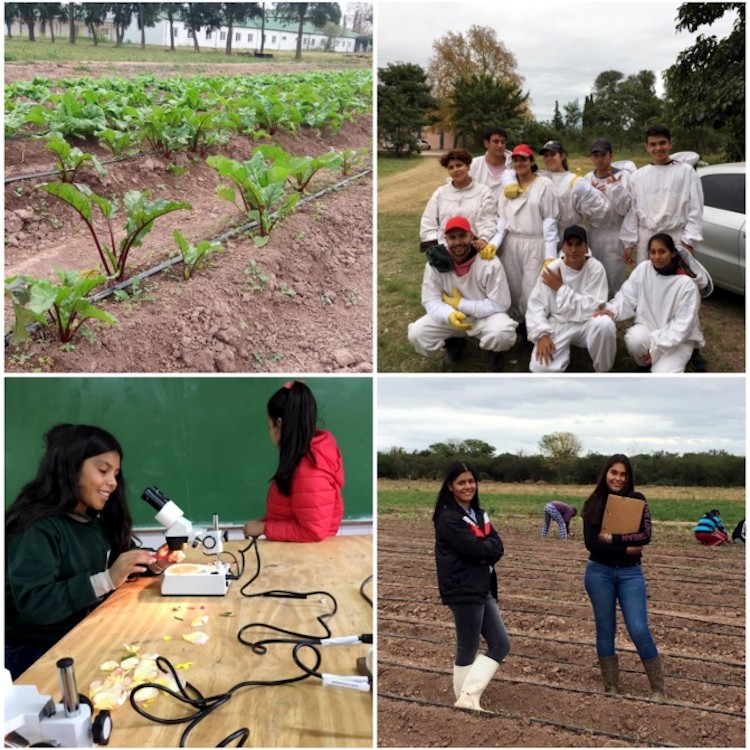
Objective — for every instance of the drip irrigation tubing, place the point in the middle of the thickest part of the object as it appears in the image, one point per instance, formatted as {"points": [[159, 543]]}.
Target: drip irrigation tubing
{"points": [[570, 689], [221, 238], [569, 641], [52, 173], [430, 585], [489, 714], [548, 660]]}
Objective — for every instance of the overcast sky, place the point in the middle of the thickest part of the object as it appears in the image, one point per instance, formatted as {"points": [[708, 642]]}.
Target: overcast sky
{"points": [[608, 414], [560, 46]]}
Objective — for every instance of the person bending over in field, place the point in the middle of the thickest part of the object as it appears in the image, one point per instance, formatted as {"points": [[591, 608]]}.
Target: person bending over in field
{"points": [[467, 547], [561, 514]]}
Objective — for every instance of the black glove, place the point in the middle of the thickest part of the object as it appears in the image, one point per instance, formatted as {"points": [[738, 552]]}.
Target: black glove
{"points": [[439, 258]]}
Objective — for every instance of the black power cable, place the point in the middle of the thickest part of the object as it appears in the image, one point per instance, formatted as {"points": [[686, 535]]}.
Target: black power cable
{"points": [[204, 706]]}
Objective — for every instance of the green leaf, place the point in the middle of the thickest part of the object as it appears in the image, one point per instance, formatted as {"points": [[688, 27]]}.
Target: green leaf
{"points": [[259, 241]]}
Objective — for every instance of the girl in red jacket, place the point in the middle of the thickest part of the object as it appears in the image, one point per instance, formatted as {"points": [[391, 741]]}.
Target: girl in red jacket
{"points": [[304, 502]]}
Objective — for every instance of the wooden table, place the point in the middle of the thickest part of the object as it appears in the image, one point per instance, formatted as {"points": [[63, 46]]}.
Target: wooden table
{"points": [[304, 714]]}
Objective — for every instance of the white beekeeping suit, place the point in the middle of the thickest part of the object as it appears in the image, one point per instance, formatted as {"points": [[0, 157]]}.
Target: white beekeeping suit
{"points": [[526, 236], [480, 172], [577, 199], [604, 231], [565, 315], [475, 202], [666, 317], [664, 198]]}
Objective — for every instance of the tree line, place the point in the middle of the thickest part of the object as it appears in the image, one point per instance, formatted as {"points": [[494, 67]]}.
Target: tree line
{"points": [[195, 16], [708, 469], [473, 75]]}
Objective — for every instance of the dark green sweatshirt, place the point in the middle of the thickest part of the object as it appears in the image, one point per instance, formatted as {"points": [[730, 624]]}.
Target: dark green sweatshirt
{"points": [[47, 586]]}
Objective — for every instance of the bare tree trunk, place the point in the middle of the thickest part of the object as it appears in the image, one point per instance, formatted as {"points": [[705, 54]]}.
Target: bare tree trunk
{"points": [[143, 25], [52, 30], [171, 33], [195, 41], [298, 52], [230, 19], [71, 24], [263, 28], [92, 29]]}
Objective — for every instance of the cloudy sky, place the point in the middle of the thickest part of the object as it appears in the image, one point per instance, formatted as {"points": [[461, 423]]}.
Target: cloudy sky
{"points": [[560, 46], [608, 414]]}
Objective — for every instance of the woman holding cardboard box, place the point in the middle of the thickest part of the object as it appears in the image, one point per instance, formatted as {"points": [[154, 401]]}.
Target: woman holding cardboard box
{"points": [[613, 573]]}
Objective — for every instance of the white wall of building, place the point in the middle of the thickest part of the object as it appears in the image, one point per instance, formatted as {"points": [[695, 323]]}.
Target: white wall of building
{"points": [[243, 38]]}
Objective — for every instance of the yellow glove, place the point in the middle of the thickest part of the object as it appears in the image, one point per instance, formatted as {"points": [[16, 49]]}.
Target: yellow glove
{"points": [[488, 252], [457, 318], [453, 299], [513, 190], [575, 177], [547, 261]]}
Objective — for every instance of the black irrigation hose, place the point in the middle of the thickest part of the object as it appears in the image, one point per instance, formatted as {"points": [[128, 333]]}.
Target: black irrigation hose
{"points": [[52, 173], [570, 689], [637, 741], [518, 634], [536, 657], [221, 238]]}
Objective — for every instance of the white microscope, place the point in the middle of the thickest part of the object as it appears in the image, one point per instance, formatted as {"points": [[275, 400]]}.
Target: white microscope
{"points": [[189, 579], [34, 720]]}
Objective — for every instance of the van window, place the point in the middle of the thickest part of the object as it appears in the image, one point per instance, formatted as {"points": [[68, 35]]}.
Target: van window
{"points": [[726, 191]]}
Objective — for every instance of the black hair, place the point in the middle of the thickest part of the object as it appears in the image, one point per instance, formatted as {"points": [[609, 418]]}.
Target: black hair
{"points": [[54, 489], [295, 406], [455, 154], [445, 495], [489, 132], [657, 130], [593, 508], [677, 262]]}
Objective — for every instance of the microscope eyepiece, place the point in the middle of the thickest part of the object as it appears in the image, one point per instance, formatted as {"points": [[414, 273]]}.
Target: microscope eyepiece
{"points": [[155, 498]]}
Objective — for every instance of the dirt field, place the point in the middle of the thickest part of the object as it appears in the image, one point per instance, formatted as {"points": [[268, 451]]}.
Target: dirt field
{"points": [[301, 303], [548, 692]]}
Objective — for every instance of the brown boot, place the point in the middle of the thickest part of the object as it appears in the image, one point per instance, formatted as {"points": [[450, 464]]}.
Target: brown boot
{"points": [[655, 677], [610, 674]]}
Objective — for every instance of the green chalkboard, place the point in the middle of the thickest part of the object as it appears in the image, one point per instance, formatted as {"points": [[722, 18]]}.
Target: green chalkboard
{"points": [[202, 440]]}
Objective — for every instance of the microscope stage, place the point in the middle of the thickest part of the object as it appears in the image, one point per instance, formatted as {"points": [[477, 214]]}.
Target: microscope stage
{"points": [[193, 579]]}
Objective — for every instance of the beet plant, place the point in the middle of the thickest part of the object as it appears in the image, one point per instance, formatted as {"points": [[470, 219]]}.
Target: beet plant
{"points": [[62, 308], [194, 255], [71, 159], [140, 214], [301, 168], [262, 189]]}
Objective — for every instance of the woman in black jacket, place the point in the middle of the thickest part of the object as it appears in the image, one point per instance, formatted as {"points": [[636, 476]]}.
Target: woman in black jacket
{"points": [[466, 549], [613, 573]]}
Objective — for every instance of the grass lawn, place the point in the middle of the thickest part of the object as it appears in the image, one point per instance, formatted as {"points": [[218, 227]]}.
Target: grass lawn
{"points": [[22, 50], [416, 499], [404, 187]]}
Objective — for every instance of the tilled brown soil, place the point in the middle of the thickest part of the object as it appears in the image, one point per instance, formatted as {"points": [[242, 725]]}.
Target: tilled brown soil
{"points": [[548, 691], [302, 303]]}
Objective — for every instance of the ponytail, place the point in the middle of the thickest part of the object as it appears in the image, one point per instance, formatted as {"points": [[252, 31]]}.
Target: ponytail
{"points": [[294, 404]]}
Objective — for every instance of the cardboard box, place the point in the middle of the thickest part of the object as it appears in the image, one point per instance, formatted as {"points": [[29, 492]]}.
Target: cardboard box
{"points": [[622, 515]]}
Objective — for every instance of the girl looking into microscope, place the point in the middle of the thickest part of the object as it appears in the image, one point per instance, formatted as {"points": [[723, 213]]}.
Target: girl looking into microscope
{"points": [[68, 541], [304, 502]]}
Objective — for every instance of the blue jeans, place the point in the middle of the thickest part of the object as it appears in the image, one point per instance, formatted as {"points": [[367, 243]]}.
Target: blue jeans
{"points": [[473, 620], [606, 586]]}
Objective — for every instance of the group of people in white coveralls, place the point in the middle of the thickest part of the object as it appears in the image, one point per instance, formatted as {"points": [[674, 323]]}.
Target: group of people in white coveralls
{"points": [[509, 257]]}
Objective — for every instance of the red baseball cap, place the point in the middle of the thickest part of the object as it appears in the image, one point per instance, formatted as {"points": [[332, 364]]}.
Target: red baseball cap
{"points": [[458, 222], [522, 150]]}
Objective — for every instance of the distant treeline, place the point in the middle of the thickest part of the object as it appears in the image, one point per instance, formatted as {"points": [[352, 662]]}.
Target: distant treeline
{"points": [[712, 469]]}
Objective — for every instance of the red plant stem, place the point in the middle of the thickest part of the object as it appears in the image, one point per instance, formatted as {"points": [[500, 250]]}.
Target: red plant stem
{"points": [[98, 245], [122, 260]]}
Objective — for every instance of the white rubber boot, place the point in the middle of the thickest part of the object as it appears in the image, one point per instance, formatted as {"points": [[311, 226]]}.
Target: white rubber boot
{"points": [[482, 671], [459, 676]]}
